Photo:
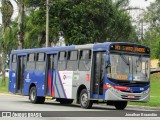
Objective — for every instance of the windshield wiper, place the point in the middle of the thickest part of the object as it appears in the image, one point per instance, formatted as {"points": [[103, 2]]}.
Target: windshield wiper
{"points": [[139, 61], [124, 59]]}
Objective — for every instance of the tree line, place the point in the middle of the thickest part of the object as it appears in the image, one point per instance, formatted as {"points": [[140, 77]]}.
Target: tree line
{"points": [[78, 21]]}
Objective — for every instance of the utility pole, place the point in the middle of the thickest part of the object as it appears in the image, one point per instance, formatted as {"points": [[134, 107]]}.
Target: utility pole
{"points": [[142, 29], [47, 23]]}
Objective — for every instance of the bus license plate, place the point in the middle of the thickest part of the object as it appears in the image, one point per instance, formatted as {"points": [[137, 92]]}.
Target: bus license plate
{"points": [[131, 96]]}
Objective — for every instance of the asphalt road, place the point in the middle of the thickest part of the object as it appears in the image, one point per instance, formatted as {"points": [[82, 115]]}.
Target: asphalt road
{"points": [[21, 104]]}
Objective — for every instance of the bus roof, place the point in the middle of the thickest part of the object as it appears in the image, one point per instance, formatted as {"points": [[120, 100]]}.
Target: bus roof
{"points": [[73, 47]]}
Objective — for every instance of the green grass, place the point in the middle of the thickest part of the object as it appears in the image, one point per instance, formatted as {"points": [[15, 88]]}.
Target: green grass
{"points": [[154, 95], [4, 89]]}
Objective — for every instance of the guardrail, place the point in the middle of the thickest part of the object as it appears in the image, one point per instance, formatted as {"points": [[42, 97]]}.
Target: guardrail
{"points": [[154, 70]]}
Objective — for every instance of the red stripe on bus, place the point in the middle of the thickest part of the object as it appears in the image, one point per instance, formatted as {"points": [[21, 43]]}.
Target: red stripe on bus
{"points": [[49, 85], [121, 88]]}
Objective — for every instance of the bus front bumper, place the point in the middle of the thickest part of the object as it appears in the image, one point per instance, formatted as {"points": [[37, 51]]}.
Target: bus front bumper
{"points": [[117, 95]]}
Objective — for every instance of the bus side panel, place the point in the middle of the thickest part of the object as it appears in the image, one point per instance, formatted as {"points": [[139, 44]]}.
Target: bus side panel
{"points": [[12, 82], [67, 83], [28, 80], [40, 77], [81, 78], [59, 85], [36, 78]]}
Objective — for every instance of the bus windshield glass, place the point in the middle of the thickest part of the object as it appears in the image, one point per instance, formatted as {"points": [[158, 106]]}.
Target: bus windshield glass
{"points": [[128, 67]]}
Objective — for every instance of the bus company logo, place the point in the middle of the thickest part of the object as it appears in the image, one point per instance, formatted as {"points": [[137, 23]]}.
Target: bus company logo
{"points": [[64, 77], [27, 78]]}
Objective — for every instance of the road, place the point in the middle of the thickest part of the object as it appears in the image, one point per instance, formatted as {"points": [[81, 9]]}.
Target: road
{"points": [[9, 102]]}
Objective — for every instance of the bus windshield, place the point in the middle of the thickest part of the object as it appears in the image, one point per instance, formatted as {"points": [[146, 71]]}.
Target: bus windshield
{"points": [[128, 67]]}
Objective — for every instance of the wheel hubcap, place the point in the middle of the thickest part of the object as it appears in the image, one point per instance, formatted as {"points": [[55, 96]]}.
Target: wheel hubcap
{"points": [[33, 94], [84, 99]]}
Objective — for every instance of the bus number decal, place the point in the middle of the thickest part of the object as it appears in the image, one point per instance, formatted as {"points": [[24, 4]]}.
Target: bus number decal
{"points": [[122, 77]]}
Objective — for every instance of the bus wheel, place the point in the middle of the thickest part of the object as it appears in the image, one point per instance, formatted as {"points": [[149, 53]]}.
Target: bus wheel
{"points": [[120, 105], [33, 96], [85, 103]]}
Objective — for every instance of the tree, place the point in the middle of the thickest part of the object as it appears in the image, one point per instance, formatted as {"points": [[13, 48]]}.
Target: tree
{"points": [[84, 21], [152, 16], [6, 10], [20, 33], [152, 36], [35, 29]]}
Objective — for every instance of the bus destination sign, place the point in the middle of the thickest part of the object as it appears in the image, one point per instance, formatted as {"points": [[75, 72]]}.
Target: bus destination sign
{"points": [[129, 48]]}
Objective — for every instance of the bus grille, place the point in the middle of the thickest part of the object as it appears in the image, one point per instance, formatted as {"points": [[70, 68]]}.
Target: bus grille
{"points": [[126, 97]]}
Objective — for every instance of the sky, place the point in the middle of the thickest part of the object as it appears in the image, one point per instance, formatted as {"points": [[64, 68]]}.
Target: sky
{"points": [[133, 3], [141, 3]]}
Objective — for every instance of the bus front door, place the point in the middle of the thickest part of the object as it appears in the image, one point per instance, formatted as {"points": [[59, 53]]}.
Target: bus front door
{"points": [[98, 74], [50, 76], [21, 63]]}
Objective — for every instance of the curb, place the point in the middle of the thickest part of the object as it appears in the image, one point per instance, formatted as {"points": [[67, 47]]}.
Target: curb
{"points": [[144, 107], [10, 94], [1, 93]]}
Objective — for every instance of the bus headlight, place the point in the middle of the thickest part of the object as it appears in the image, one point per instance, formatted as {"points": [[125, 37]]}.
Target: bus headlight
{"points": [[147, 91]]}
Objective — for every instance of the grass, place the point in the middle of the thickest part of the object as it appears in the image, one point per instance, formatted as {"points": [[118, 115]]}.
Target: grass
{"points": [[4, 89], [154, 96]]}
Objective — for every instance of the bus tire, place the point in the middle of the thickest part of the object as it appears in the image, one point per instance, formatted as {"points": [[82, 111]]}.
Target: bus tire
{"points": [[33, 96], [85, 103], [120, 105]]}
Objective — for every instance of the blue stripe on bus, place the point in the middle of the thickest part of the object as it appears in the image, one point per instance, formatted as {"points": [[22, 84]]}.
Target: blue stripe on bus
{"points": [[57, 91], [62, 85], [55, 83]]}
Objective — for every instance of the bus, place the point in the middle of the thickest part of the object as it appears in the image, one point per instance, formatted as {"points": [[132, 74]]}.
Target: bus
{"points": [[111, 72]]}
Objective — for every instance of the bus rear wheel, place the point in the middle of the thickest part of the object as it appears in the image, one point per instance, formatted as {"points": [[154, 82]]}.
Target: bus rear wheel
{"points": [[33, 96], [120, 105], [85, 103]]}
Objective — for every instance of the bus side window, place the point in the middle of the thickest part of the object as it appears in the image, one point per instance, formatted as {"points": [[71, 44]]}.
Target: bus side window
{"points": [[14, 62], [30, 61], [62, 60], [72, 60], [85, 60], [40, 61]]}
